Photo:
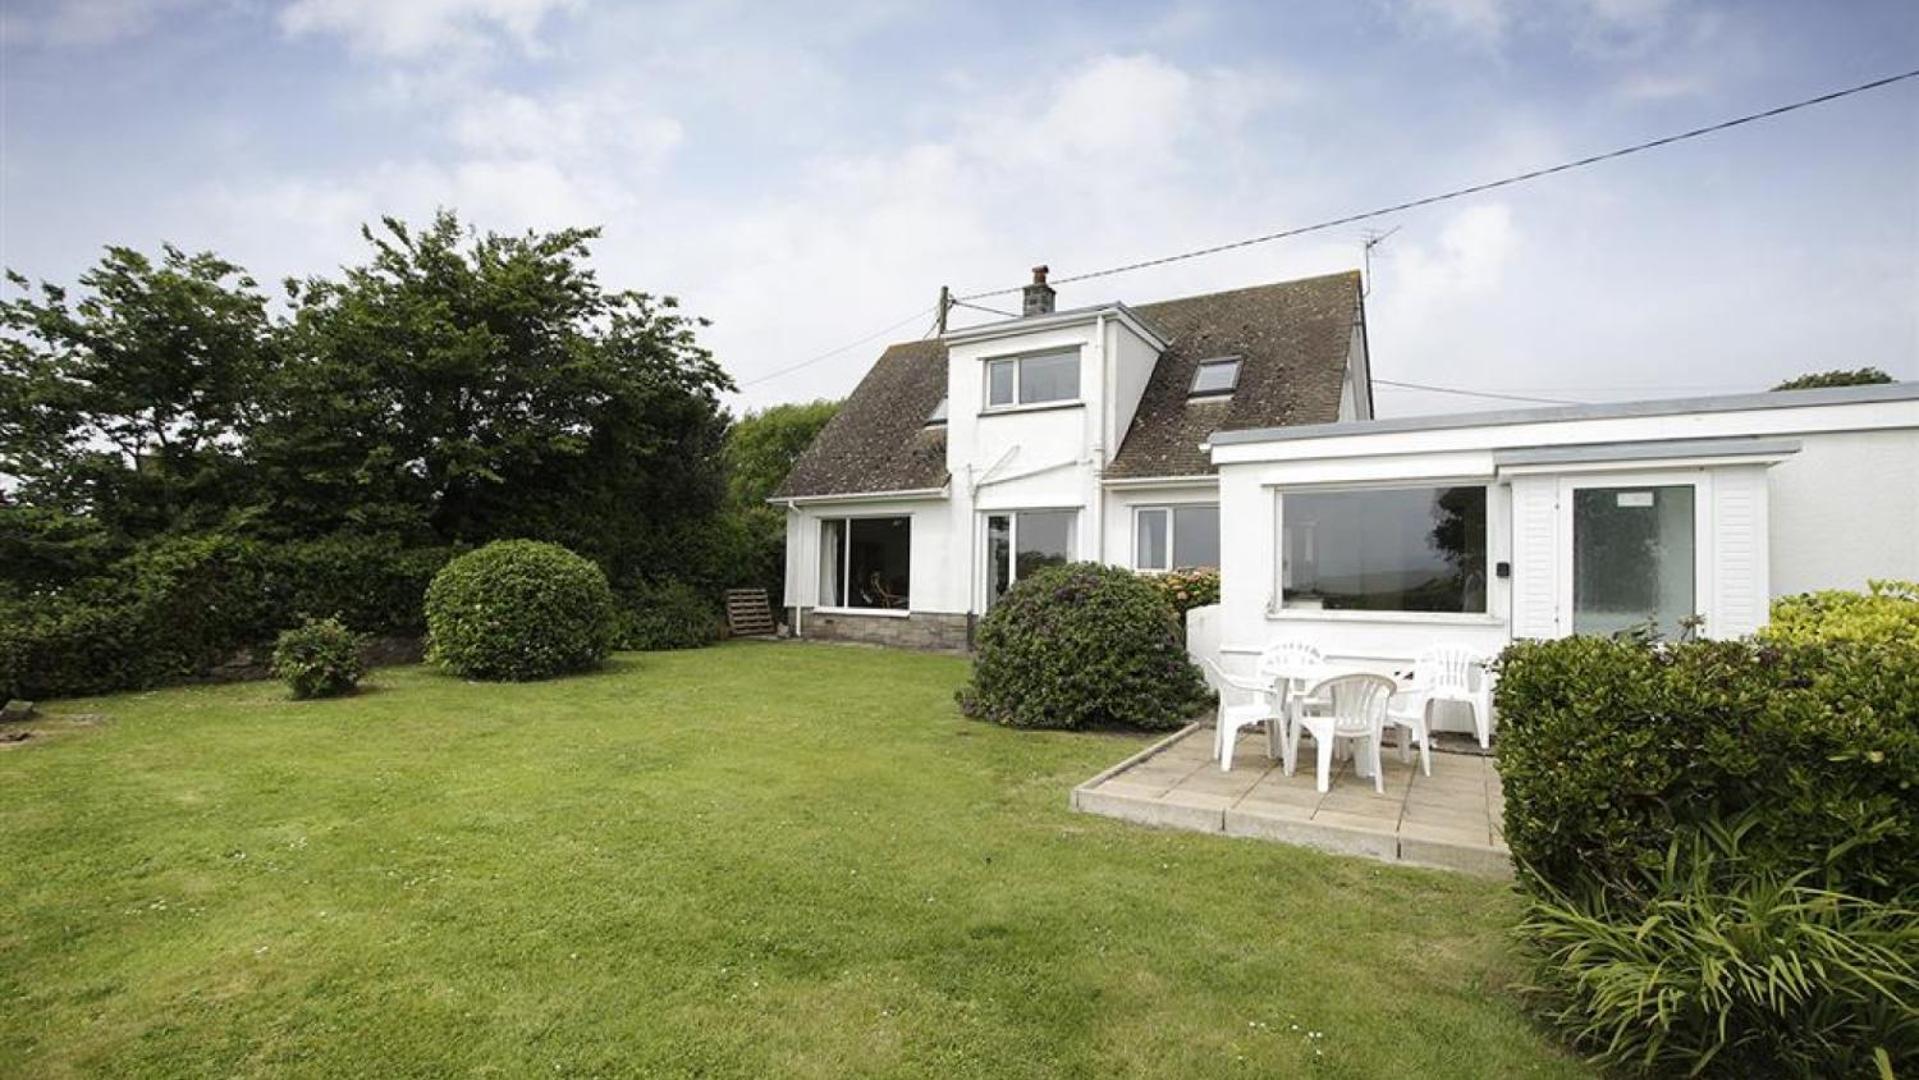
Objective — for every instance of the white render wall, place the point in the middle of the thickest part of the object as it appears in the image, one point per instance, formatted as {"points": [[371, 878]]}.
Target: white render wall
{"points": [[1842, 509]]}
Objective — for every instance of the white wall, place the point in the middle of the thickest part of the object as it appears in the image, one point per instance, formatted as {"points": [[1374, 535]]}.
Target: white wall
{"points": [[1121, 537], [1845, 510]]}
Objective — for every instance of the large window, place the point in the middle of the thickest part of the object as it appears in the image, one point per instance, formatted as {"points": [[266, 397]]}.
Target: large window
{"points": [[866, 562], [1021, 542], [1397, 549], [1032, 380], [1165, 537]]}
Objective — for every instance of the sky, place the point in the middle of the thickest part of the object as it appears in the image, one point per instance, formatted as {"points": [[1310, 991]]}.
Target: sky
{"points": [[807, 176]]}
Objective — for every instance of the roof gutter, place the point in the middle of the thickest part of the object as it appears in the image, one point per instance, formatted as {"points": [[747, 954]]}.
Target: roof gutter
{"points": [[859, 496], [1159, 481]]}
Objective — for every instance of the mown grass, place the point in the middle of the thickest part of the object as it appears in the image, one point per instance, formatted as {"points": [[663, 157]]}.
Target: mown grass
{"points": [[759, 859]]}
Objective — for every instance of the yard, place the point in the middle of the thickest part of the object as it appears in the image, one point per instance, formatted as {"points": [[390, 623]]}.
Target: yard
{"points": [[749, 860]]}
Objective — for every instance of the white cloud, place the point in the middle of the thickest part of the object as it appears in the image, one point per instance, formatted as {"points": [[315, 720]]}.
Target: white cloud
{"points": [[90, 22], [414, 28]]}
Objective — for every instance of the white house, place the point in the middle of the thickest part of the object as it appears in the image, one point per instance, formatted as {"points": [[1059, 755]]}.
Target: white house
{"points": [[1374, 539], [962, 462]]}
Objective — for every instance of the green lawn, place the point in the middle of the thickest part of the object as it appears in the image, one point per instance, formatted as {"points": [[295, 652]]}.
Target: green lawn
{"points": [[751, 860]]}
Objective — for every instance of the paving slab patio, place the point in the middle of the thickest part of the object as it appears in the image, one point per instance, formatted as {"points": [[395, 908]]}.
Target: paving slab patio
{"points": [[1449, 820]]}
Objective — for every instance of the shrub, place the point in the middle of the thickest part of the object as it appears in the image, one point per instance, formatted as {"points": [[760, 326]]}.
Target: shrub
{"points": [[517, 610], [373, 584], [1727, 971], [1607, 748], [1187, 589], [67, 648], [1887, 612], [319, 658], [669, 615], [1078, 645]]}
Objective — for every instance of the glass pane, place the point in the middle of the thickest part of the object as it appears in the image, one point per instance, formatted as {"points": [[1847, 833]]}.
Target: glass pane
{"points": [[938, 415], [1045, 538], [999, 556], [832, 561], [1632, 558], [999, 382], [1149, 547], [1216, 377], [1196, 536], [881, 562], [1400, 549], [1053, 377]]}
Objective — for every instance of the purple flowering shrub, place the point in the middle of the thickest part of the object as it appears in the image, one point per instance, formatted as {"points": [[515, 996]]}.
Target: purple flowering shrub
{"points": [[1083, 645]]}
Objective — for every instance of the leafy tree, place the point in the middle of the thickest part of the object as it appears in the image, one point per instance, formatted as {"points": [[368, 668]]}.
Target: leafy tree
{"points": [[762, 446], [461, 388], [129, 402], [1865, 376]]}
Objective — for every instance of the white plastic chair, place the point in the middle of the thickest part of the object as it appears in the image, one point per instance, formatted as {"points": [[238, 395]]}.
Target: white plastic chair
{"points": [[1343, 707], [1292, 665], [1444, 673], [1264, 707]]}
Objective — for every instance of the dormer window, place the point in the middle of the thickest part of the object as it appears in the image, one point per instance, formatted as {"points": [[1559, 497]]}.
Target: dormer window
{"points": [[938, 415], [1215, 378], [1036, 379]]}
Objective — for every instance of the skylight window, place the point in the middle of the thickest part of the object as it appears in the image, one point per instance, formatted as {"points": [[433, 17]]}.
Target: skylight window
{"points": [[1215, 378], [938, 415]]}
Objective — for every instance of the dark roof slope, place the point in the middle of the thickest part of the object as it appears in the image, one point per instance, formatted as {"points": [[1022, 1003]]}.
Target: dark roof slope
{"points": [[1291, 338], [879, 440]]}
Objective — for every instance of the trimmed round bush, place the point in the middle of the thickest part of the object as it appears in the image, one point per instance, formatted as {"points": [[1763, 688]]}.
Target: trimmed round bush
{"points": [[319, 658], [1083, 645], [517, 610], [670, 615]]}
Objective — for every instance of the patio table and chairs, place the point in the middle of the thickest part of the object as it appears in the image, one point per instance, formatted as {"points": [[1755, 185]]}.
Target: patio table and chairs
{"points": [[1294, 690]]}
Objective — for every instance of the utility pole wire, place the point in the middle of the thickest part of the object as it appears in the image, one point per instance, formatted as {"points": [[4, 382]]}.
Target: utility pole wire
{"points": [[1475, 189], [1396, 384], [1413, 204]]}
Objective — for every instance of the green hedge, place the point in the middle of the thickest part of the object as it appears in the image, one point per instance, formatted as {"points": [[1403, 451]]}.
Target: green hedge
{"points": [[517, 610], [1081, 645], [1608, 747], [177, 607], [668, 615]]}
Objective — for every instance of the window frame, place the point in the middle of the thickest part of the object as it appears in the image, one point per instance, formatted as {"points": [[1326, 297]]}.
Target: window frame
{"points": [[1276, 609], [1012, 517], [1192, 388], [846, 567], [1172, 547], [1017, 362]]}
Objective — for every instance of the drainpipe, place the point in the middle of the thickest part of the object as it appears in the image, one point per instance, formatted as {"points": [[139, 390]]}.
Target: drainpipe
{"points": [[1099, 438]]}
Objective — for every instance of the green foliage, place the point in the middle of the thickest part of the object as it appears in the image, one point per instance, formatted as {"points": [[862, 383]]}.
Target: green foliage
{"points": [[762, 446], [1607, 747], [517, 610], [669, 615], [63, 649], [43, 550], [375, 585], [1887, 613], [1865, 376], [1079, 645], [319, 658], [1726, 971], [129, 403], [1186, 589]]}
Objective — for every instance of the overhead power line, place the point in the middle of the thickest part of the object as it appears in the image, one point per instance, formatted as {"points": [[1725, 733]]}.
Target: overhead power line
{"points": [[1475, 189], [1396, 384], [1411, 204], [830, 353]]}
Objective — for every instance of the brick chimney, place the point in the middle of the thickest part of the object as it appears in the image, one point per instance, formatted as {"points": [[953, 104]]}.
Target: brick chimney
{"points": [[1039, 295]]}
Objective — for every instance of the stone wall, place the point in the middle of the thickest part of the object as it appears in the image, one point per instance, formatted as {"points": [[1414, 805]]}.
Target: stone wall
{"points": [[919, 630]]}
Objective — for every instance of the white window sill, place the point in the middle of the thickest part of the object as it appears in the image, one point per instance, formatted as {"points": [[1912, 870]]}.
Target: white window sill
{"points": [[884, 613], [1430, 618], [1038, 406]]}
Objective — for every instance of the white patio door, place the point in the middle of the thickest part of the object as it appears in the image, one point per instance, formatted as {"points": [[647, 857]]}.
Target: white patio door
{"points": [[1635, 550]]}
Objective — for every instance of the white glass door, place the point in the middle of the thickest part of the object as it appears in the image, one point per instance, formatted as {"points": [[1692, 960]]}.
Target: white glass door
{"points": [[1635, 555]]}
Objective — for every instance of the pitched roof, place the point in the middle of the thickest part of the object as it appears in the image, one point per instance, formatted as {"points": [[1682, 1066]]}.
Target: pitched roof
{"points": [[879, 440], [1291, 339]]}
